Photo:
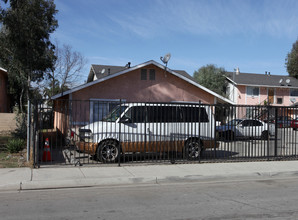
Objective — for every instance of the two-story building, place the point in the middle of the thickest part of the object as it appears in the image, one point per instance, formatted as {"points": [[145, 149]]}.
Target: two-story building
{"points": [[262, 89]]}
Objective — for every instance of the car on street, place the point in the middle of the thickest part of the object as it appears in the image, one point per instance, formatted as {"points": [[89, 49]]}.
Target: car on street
{"points": [[245, 128], [294, 124], [284, 121]]}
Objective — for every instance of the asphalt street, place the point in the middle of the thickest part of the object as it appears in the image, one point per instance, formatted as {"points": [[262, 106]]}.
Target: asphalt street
{"points": [[262, 198]]}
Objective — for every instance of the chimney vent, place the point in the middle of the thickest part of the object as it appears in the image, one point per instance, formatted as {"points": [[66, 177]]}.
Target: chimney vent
{"points": [[127, 65]]}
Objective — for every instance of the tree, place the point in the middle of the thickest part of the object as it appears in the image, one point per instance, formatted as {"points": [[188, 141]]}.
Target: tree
{"points": [[67, 68], [212, 78], [292, 61], [52, 87], [25, 47]]}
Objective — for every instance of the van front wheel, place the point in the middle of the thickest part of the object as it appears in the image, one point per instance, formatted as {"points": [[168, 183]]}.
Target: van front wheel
{"points": [[193, 149], [107, 151]]}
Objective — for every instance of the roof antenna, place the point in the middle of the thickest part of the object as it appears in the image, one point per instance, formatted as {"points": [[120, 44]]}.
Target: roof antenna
{"points": [[166, 59]]}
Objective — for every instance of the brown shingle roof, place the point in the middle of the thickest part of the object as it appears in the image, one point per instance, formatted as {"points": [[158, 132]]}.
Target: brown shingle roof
{"points": [[263, 80], [102, 71]]}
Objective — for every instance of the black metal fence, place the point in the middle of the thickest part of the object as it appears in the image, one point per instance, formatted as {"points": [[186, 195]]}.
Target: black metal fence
{"points": [[97, 132]]}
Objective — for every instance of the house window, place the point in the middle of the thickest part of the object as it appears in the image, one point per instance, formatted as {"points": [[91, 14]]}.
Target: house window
{"points": [[294, 92], [152, 74], [279, 100], [253, 91], [100, 108], [143, 74]]}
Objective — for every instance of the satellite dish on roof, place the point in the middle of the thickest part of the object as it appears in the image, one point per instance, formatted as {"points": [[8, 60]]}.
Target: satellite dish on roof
{"points": [[288, 81], [280, 81], [103, 71], [237, 71], [292, 100], [166, 58]]}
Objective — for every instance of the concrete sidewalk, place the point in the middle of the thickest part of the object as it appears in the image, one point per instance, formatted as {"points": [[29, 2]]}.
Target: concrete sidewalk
{"points": [[64, 177]]}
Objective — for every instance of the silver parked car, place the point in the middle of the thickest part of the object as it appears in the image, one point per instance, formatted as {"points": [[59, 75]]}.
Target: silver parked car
{"points": [[250, 128]]}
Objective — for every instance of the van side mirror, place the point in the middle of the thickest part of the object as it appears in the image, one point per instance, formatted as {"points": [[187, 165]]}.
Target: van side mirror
{"points": [[125, 120]]}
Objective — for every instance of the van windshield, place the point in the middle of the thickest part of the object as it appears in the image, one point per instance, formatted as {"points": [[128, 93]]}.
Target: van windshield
{"points": [[115, 114]]}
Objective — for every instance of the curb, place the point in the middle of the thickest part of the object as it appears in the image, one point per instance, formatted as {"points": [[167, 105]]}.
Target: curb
{"points": [[114, 182]]}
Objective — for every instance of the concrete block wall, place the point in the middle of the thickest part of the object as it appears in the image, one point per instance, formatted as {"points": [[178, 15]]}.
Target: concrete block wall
{"points": [[7, 122]]}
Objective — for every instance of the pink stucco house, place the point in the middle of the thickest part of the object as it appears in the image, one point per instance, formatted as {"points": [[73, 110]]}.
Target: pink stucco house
{"points": [[4, 97], [146, 82]]}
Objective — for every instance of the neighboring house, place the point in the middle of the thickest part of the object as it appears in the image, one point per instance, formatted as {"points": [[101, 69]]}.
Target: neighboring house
{"points": [[146, 82], [262, 89], [4, 97]]}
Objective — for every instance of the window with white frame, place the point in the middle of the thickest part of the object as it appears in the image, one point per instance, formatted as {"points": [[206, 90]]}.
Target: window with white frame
{"points": [[252, 91], [99, 108]]}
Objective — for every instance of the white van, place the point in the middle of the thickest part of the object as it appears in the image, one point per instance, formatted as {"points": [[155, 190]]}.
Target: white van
{"points": [[150, 128]]}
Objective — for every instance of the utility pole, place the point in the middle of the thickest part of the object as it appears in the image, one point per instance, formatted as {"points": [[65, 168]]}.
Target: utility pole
{"points": [[28, 120]]}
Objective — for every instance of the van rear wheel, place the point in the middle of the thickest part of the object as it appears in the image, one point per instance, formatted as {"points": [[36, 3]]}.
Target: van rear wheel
{"points": [[107, 151], [193, 149]]}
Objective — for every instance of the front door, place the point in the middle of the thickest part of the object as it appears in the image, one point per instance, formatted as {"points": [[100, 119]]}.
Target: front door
{"points": [[270, 96]]}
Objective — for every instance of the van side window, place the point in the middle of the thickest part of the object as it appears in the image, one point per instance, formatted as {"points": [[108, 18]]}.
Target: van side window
{"points": [[194, 114], [160, 114], [173, 113], [136, 114], [163, 114]]}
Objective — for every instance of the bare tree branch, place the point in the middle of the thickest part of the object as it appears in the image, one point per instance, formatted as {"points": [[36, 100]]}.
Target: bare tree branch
{"points": [[68, 66]]}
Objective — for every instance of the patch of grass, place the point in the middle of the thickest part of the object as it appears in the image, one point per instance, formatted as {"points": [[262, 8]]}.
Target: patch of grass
{"points": [[8, 160]]}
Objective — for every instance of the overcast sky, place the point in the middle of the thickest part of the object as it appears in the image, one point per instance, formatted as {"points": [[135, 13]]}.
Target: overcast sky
{"points": [[253, 35]]}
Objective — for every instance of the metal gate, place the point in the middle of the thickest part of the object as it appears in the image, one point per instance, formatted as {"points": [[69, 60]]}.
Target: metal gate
{"points": [[100, 132]]}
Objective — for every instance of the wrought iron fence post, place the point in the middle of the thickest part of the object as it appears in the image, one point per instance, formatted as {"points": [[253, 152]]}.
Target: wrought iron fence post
{"points": [[276, 131], [268, 136], [214, 125], [119, 144], [200, 131], [34, 134], [39, 122], [28, 129]]}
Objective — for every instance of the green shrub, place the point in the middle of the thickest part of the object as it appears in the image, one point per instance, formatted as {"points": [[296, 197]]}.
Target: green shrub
{"points": [[15, 145]]}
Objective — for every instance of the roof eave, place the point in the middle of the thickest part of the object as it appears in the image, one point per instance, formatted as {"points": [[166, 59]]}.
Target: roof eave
{"points": [[4, 70], [271, 86], [103, 79]]}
